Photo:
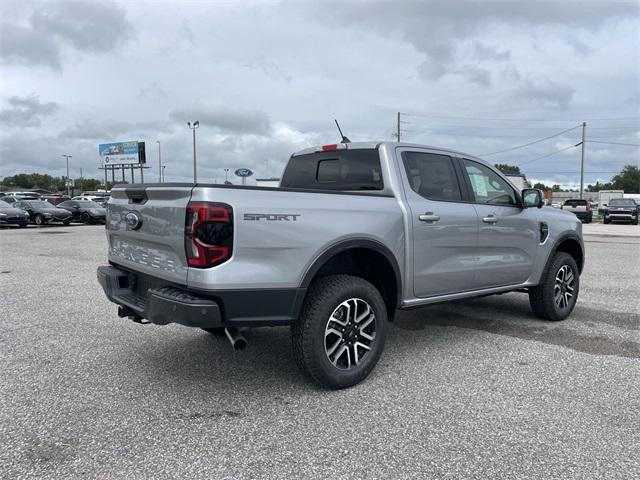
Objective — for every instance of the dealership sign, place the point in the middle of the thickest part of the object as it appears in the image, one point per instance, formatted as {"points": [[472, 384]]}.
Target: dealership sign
{"points": [[121, 153], [243, 172]]}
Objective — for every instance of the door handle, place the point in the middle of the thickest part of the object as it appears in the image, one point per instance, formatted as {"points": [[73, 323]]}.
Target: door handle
{"points": [[490, 219], [429, 217]]}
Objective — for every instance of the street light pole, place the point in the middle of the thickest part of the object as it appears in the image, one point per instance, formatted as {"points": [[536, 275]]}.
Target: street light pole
{"points": [[226, 171], [584, 132], [159, 163], [67, 184], [193, 127], [162, 179]]}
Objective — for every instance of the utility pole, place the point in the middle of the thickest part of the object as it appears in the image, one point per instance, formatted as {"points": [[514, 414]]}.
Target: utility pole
{"points": [[584, 132], [67, 183], [398, 128], [159, 163], [193, 127]]}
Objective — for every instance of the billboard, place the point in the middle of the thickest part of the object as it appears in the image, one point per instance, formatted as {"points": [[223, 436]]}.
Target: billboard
{"points": [[121, 153]]}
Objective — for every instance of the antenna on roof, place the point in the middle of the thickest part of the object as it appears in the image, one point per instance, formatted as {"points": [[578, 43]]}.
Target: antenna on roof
{"points": [[344, 139]]}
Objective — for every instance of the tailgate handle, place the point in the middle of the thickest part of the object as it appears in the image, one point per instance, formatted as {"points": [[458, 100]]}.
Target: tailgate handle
{"points": [[137, 197]]}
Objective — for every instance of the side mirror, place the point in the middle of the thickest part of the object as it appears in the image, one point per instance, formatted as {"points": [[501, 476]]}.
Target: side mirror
{"points": [[532, 197]]}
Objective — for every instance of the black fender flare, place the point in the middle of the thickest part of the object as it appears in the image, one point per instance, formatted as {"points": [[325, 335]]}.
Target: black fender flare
{"points": [[558, 241], [350, 244]]}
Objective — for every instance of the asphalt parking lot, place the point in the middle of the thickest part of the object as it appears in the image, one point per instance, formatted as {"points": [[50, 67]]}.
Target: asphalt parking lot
{"points": [[472, 389]]}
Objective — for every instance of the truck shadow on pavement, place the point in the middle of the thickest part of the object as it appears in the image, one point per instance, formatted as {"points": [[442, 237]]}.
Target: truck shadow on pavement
{"points": [[197, 358], [510, 315]]}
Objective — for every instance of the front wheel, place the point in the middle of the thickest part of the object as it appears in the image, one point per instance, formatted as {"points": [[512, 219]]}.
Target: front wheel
{"points": [[556, 295], [40, 220], [340, 335], [86, 219]]}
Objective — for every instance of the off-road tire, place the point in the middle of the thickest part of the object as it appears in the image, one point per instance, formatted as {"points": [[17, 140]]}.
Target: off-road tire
{"points": [[308, 333], [542, 297]]}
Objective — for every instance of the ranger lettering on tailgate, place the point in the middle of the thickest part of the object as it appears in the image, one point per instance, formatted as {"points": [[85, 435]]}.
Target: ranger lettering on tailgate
{"points": [[271, 216]]}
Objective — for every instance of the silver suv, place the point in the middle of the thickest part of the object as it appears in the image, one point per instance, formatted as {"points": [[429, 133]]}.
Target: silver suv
{"points": [[355, 232]]}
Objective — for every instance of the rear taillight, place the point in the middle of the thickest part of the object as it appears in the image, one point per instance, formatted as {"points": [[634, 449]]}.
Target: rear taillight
{"points": [[208, 234]]}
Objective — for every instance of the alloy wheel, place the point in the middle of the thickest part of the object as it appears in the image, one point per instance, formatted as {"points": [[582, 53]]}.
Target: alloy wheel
{"points": [[564, 287], [350, 333]]}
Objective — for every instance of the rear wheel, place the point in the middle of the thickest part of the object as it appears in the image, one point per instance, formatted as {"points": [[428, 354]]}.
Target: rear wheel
{"points": [[634, 221], [85, 218], [556, 295], [606, 220], [340, 335]]}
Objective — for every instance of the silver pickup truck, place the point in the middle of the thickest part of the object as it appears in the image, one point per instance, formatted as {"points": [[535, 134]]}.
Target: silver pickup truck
{"points": [[355, 232]]}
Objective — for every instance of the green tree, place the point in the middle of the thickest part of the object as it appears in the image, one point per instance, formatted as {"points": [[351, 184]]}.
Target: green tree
{"points": [[628, 180], [542, 186], [504, 168]]}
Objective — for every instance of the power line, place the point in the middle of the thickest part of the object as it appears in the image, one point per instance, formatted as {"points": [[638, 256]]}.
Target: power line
{"points": [[485, 127], [516, 119], [615, 143], [473, 135], [548, 155], [531, 143]]}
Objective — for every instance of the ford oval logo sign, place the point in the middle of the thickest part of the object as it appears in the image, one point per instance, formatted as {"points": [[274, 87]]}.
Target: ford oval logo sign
{"points": [[243, 172], [133, 220]]}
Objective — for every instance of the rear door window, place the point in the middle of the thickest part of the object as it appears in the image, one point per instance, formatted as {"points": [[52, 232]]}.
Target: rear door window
{"points": [[432, 176]]}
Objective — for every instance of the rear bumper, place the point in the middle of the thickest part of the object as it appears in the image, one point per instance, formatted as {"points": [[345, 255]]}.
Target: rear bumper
{"points": [[160, 302], [161, 305]]}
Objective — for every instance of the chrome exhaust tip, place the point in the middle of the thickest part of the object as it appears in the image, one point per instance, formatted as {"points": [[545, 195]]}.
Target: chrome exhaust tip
{"points": [[238, 342]]}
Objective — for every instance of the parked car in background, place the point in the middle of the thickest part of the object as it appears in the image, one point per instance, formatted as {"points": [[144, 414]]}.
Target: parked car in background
{"points": [[580, 208], [17, 198], [85, 211], [621, 210], [101, 197], [9, 215], [41, 212], [55, 199]]}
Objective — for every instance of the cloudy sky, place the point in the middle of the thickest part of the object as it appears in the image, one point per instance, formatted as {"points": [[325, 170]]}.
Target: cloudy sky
{"points": [[267, 78]]}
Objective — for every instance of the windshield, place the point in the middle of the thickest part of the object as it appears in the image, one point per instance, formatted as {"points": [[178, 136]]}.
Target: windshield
{"points": [[39, 204], [622, 202], [4, 204]]}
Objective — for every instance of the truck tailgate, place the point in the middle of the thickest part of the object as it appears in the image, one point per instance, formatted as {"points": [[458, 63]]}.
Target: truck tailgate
{"points": [[145, 229]]}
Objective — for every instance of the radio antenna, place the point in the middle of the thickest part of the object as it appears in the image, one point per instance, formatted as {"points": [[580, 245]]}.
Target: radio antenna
{"points": [[344, 139]]}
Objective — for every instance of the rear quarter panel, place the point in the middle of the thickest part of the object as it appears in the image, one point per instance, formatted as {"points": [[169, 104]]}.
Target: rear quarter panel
{"points": [[277, 253]]}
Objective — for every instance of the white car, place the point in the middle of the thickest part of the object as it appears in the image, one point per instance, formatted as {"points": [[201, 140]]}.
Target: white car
{"points": [[91, 198]]}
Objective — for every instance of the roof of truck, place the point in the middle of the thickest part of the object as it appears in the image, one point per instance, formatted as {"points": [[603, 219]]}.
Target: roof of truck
{"points": [[371, 145]]}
